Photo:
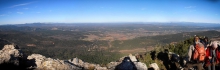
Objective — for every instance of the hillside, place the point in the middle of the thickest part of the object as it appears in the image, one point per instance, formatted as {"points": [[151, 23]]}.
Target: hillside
{"points": [[103, 46], [108, 46], [13, 56]]}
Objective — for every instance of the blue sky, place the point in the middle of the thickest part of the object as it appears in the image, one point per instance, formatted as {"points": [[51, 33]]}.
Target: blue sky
{"points": [[75, 11]]}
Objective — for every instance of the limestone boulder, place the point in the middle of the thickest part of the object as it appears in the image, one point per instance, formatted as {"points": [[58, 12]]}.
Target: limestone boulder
{"points": [[51, 64], [154, 66], [10, 54], [140, 66]]}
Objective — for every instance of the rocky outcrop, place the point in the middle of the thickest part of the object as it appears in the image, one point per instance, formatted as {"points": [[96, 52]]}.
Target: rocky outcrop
{"points": [[112, 65], [129, 63], [133, 58], [154, 66], [140, 66], [51, 64], [12, 55], [86, 65]]}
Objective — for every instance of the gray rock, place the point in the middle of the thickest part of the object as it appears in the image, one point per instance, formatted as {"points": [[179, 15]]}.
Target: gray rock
{"points": [[155, 66], [140, 66], [10, 54], [112, 65], [51, 64], [126, 64], [133, 58], [75, 61], [100, 68]]}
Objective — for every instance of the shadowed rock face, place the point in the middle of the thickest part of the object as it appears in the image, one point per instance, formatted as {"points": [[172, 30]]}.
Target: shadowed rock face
{"points": [[12, 58], [126, 64], [130, 64]]}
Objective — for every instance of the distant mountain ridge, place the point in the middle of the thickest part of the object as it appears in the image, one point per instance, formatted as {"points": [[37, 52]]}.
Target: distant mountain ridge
{"points": [[118, 23]]}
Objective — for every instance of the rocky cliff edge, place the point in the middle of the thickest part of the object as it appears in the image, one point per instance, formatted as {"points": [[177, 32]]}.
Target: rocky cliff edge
{"points": [[11, 57]]}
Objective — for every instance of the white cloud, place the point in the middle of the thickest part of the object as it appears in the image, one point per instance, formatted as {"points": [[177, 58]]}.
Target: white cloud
{"points": [[190, 7], [23, 4], [20, 12]]}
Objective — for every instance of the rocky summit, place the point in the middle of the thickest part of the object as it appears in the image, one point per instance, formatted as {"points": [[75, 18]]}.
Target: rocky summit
{"points": [[11, 58]]}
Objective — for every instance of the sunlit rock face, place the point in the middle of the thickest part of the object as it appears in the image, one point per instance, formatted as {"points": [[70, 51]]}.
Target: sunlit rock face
{"points": [[11, 57], [140, 66], [154, 66], [51, 64], [10, 53]]}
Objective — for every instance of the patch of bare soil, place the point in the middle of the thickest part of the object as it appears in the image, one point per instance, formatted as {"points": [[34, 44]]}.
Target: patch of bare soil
{"points": [[91, 37], [133, 50]]}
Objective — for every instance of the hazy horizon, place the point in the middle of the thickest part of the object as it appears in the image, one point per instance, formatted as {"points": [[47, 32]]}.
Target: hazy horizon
{"points": [[108, 11], [112, 23]]}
